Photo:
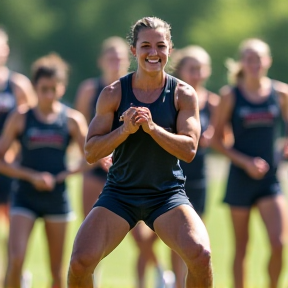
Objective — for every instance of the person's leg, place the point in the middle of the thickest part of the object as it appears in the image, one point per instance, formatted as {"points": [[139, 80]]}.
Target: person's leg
{"points": [[179, 269], [240, 220], [56, 232], [20, 230], [100, 233], [145, 239], [197, 197], [92, 187], [273, 212], [184, 232]]}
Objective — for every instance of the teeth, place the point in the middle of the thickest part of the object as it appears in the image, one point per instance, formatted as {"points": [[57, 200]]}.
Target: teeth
{"points": [[153, 61]]}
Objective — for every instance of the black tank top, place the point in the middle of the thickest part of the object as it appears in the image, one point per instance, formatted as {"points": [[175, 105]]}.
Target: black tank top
{"points": [[44, 145], [196, 169], [99, 85], [255, 126], [7, 102], [139, 162]]}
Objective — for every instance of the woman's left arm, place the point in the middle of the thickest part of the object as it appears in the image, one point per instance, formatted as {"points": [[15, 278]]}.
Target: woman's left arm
{"points": [[282, 90], [182, 145]]}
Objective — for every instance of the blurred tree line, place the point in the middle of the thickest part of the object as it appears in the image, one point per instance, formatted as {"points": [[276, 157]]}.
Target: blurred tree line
{"points": [[75, 29]]}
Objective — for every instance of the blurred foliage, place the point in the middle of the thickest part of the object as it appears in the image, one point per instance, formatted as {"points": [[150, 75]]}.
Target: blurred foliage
{"points": [[75, 30]]}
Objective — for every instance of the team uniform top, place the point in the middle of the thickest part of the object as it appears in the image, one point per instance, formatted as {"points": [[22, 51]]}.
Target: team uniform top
{"points": [[195, 171], [139, 162], [7, 102], [43, 148], [255, 127]]}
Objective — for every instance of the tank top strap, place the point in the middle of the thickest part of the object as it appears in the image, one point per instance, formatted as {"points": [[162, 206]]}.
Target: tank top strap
{"points": [[126, 87], [170, 88]]}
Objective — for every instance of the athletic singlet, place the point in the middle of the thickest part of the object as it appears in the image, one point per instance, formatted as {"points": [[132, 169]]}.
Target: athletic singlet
{"points": [[255, 126], [44, 146], [99, 85], [7, 101], [196, 169], [139, 163]]}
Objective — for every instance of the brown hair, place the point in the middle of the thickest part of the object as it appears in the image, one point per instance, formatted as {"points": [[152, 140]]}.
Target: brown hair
{"points": [[150, 23], [235, 72], [51, 65]]}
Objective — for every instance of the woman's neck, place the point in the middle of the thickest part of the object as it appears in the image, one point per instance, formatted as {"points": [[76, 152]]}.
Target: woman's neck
{"points": [[254, 84], [148, 82], [47, 110]]}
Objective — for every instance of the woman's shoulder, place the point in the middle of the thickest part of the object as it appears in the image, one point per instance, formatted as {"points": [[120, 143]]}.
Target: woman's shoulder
{"points": [[280, 87]]}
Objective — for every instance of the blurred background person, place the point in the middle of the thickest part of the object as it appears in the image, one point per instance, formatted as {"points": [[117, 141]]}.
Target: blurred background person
{"points": [[253, 105], [44, 133], [15, 89], [192, 64], [114, 63]]}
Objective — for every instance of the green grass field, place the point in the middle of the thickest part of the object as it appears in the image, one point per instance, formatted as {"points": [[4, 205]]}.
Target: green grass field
{"points": [[117, 270]]}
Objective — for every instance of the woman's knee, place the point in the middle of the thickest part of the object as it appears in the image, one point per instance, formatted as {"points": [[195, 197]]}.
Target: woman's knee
{"points": [[198, 256], [82, 264]]}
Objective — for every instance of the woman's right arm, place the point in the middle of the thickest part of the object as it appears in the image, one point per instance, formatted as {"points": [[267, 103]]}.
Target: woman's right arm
{"points": [[101, 141], [254, 167], [14, 125]]}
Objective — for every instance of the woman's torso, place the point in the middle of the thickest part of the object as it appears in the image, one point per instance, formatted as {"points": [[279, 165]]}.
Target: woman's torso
{"points": [[139, 162]]}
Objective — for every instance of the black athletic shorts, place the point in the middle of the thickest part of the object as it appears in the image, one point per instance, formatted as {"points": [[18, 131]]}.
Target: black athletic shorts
{"points": [[243, 191], [52, 206], [5, 189], [196, 192], [134, 208]]}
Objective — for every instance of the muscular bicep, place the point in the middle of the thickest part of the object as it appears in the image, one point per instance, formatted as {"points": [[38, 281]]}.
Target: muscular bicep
{"points": [[188, 122], [107, 104]]}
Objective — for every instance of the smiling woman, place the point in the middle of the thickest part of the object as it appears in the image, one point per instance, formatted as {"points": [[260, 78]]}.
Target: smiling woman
{"points": [[145, 181]]}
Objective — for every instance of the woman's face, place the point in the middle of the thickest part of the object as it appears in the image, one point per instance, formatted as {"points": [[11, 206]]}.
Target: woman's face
{"points": [[115, 61], [49, 90], [152, 50], [194, 72], [255, 64]]}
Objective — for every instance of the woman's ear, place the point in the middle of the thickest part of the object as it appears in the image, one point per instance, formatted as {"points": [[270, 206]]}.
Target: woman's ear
{"points": [[133, 50]]}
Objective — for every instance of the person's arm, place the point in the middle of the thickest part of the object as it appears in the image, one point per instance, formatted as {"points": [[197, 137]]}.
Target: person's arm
{"points": [[77, 126], [100, 140], [14, 125], [182, 145], [84, 96], [23, 90], [206, 136], [282, 91], [255, 167]]}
